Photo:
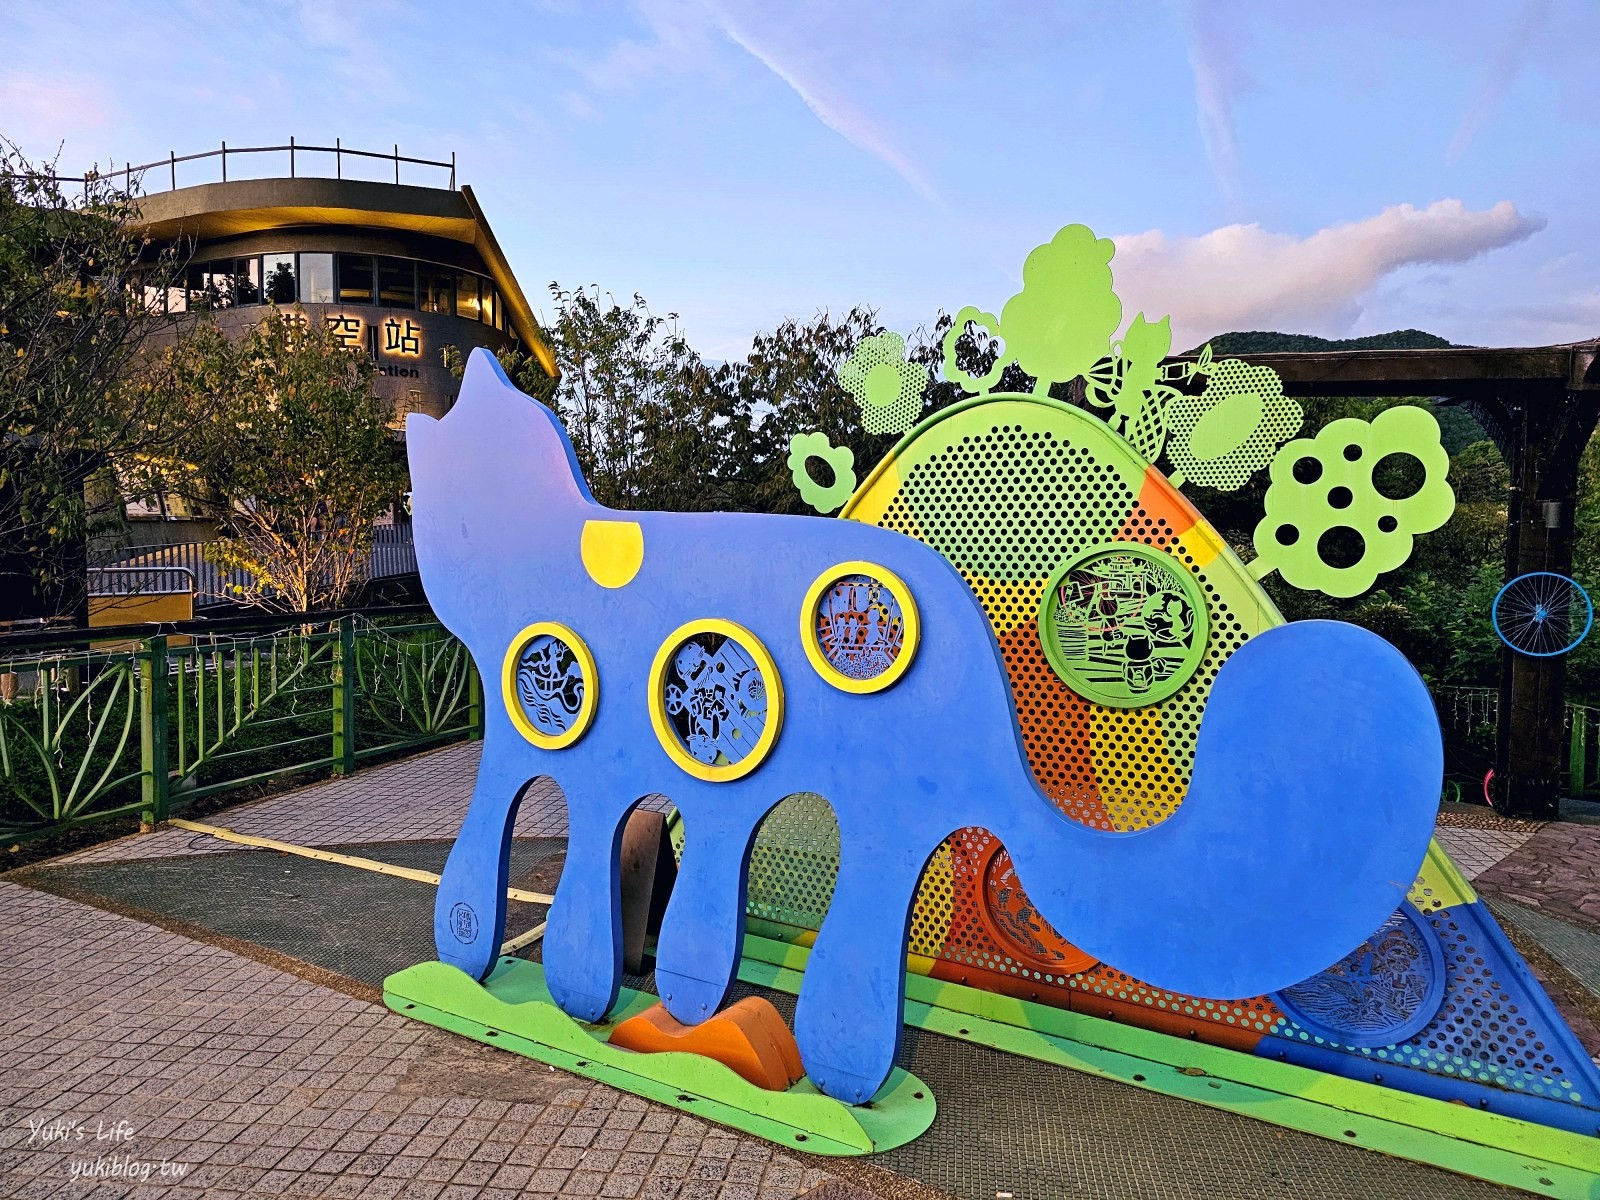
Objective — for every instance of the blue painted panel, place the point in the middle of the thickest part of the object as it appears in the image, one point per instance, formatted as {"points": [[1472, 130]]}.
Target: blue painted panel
{"points": [[1496, 1042], [1316, 777]]}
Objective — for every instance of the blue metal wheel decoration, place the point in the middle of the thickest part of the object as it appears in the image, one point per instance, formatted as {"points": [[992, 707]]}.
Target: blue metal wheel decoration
{"points": [[1542, 614], [1383, 992]]}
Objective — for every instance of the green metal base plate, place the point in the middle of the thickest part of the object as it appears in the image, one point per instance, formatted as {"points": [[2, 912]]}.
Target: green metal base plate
{"points": [[512, 1009]]}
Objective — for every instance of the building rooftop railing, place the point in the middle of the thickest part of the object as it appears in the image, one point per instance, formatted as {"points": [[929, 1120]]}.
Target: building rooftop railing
{"points": [[296, 153]]}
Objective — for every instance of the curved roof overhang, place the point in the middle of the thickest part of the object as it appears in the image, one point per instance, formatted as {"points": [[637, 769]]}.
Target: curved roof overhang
{"points": [[218, 210]]}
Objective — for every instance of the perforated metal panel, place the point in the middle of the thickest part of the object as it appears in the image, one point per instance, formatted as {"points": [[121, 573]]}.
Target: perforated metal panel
{"points": [[1009, 492], [795, 862], [1496, 1042], [1008, 489]]}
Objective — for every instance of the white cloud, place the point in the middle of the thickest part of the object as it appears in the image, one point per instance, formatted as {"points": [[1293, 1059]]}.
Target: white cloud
{"points": [[1244, 277], [1218, 79], [1499, 74], [826, 101]]}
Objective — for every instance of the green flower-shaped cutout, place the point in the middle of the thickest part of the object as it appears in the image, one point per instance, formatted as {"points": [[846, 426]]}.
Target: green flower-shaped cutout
{"points": [[1324, 491], [952, 368], [1227, 433], [887, 388], [840, 460]]}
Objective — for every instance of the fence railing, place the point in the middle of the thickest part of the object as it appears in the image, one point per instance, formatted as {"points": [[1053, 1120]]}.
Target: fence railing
{"points": [[140, 581], [1468, 716], [295, 151], [392, 554], [87, 734]]}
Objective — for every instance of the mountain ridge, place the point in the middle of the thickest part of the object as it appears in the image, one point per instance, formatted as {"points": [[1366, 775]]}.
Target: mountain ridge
{"points": [[1268, 342]]}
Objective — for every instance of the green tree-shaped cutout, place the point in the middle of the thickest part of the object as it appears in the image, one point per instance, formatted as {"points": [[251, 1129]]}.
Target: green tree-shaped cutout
{"points": [[1326, 489], [1061, 323], [886, 387], [1226, 434]]}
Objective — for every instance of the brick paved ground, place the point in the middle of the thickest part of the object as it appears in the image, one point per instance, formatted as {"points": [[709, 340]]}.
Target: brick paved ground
{"points": [[255, 1083], [1557, 870], [1476, 850], [414, 799], [264, 1083]]}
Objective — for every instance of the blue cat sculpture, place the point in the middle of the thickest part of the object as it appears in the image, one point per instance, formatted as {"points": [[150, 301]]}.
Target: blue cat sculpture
{"points": [[1315, 783]]}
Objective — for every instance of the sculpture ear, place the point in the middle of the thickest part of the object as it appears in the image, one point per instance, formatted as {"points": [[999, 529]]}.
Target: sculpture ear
{"points": [[493, 410]]}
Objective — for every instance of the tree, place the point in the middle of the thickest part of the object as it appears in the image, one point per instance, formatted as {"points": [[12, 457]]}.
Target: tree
{"points": [[74, 323], [297, 454], [648, 417]]}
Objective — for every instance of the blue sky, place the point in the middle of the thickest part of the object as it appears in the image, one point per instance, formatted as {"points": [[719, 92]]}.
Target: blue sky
{"points": [[1328, 168]]}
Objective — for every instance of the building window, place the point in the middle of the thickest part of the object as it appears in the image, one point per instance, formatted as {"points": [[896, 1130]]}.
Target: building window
{"points": [[468, 303], [247, 280], [397, 282], [316, 278], [355, 279], [436, 289], [278, 278]]}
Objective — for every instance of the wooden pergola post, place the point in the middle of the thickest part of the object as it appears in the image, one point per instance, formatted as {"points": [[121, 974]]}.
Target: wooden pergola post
{"points": [[1550, 433], [1540, 406]]}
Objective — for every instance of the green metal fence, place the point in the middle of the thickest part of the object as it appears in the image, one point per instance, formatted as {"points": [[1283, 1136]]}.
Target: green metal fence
{"points": [[91, 730]]}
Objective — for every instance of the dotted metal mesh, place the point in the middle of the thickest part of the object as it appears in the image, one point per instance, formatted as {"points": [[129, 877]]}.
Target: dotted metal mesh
{"points": [[969, 943], [1488, 1029], [794, 863], [886, 387], [1007, 502], [1008, 506], [1257, 415]]}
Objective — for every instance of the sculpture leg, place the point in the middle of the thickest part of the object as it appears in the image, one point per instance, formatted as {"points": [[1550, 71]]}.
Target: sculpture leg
{"points": [[849, 1018], [469, 912], [702, 931], [583, 945]]}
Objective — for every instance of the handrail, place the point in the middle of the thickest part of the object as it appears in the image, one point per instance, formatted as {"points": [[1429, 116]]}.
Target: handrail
{"points": [[338, 150], [114, 575], [259, 621]]}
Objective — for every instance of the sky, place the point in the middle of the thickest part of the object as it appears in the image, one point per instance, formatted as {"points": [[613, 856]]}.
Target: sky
{"points": [[1336, 169]]}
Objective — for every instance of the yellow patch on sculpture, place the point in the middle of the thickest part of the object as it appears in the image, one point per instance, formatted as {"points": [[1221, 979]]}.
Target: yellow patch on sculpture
{"points": [[613, 551]]}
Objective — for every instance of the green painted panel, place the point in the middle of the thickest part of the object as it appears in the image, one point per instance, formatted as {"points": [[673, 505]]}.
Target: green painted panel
{"points": [[512, 1009], [1328, 487]]}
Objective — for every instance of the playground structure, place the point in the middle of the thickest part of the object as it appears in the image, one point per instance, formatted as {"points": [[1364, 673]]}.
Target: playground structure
{"points": [[1070, 751]]}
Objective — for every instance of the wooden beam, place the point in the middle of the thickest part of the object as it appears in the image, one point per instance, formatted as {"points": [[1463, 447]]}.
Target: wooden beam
{"points": [[1456, 371]]}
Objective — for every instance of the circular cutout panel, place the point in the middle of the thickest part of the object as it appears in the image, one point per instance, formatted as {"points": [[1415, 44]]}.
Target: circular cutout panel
{"points": [[1123, 625], [1016, 926], [1383, 992], [859, 626], [550, 685], [716, 701]]}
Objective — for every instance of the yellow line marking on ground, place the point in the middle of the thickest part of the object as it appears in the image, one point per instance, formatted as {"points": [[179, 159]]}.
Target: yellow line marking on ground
{"points": [[524, 939], [345, 860]]}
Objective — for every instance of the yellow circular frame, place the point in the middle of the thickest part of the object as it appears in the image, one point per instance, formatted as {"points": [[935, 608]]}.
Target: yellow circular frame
{"points": [[808, 627], [591, 686], [668, 737]]}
